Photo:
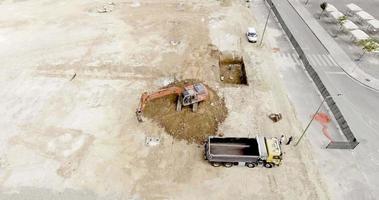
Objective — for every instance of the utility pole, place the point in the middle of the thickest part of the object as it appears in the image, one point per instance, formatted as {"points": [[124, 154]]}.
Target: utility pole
{"points": [[313, 117], [264, 30]]}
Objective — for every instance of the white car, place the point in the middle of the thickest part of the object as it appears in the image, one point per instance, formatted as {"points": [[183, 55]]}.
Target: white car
{"points": [[251, 35]]}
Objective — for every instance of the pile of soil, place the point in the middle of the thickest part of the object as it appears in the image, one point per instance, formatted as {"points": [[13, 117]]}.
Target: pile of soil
{"points": [[188, 125]]}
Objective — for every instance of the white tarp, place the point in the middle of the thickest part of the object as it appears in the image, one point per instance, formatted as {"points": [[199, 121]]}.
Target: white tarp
{"points": [[364, 16], [330, 8], [373, 24], [359, 35], [349, 25], [336, 14], [352, 8]]}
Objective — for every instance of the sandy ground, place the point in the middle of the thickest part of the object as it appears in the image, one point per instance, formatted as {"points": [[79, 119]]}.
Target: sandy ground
{"points": [[71, 80]]}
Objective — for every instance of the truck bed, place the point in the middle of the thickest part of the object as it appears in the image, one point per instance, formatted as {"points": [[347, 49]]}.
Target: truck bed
{"points": [[233, 147]]}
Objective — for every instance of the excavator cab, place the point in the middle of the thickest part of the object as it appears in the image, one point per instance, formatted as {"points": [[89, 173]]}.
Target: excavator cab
{"points": [[192, 95], [188, 97]]}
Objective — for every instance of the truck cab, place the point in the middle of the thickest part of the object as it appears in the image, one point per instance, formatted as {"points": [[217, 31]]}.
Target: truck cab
{"points": [[274, 151]]}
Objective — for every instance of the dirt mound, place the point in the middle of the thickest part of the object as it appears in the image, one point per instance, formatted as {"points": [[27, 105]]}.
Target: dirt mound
{"points": [[188, 125]]}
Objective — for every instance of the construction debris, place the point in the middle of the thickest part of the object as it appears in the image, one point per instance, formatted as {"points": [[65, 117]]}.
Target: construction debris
{"points": [[106, 8], [152, 141], [174, 43], [275, 117]]}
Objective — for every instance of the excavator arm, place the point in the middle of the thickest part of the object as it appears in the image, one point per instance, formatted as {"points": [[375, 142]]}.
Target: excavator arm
{"points": [[146, 97]]}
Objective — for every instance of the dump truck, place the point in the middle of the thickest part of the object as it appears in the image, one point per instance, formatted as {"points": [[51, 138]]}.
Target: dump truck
{"points": [[249, 152]]}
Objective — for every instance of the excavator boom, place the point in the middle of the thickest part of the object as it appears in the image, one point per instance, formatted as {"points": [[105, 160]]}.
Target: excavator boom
{"points": [[145, 97]]}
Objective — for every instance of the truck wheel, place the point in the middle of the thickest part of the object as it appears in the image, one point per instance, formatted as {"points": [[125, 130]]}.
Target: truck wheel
{"points": [[215, 164], [228, 165], [250, 165], [268, 165]]}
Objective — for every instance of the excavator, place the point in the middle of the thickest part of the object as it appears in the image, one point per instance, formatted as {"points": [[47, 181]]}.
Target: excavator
{"points": [[190, 94]]}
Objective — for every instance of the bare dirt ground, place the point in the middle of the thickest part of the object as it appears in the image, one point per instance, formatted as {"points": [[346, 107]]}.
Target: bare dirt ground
{"points": [[186, 124], [71, 79]]}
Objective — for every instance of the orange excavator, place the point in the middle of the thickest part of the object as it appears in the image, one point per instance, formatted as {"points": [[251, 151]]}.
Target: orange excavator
{"points": [[188, 95]]}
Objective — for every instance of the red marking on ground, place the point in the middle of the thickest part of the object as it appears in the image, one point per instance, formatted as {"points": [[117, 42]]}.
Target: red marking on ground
{"points": [[324, 120], [275, 49]]}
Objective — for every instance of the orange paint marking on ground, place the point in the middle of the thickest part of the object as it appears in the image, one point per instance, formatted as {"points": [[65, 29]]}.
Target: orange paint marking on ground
{"points": [[275, 49], [324, 120]]}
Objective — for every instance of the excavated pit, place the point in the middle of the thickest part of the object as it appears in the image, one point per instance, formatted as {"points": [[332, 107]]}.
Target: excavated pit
{"points": [[232, 69], [188, 125]]}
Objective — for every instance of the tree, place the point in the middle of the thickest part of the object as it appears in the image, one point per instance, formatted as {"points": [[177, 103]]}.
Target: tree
{"points": [[341, 20], [368, 46], [323, 6]]}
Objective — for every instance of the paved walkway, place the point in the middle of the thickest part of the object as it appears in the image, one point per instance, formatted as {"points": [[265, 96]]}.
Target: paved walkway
{"points": [[340, 57]]}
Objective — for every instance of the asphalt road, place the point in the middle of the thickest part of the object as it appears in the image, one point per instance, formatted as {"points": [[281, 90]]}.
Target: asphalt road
{"points": [[358, 104]]}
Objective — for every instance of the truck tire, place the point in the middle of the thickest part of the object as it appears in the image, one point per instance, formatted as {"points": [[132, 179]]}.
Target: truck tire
{"points": [[228, 165], [250, 165], [268, 165], [215, 164]]}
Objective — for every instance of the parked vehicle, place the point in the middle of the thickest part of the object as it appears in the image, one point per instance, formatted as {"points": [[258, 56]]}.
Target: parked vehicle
{"points": [[251, 35], [250, 152]]}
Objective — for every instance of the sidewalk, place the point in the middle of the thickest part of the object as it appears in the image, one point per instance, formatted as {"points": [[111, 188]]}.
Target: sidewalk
{"points": [[337, 53]]}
